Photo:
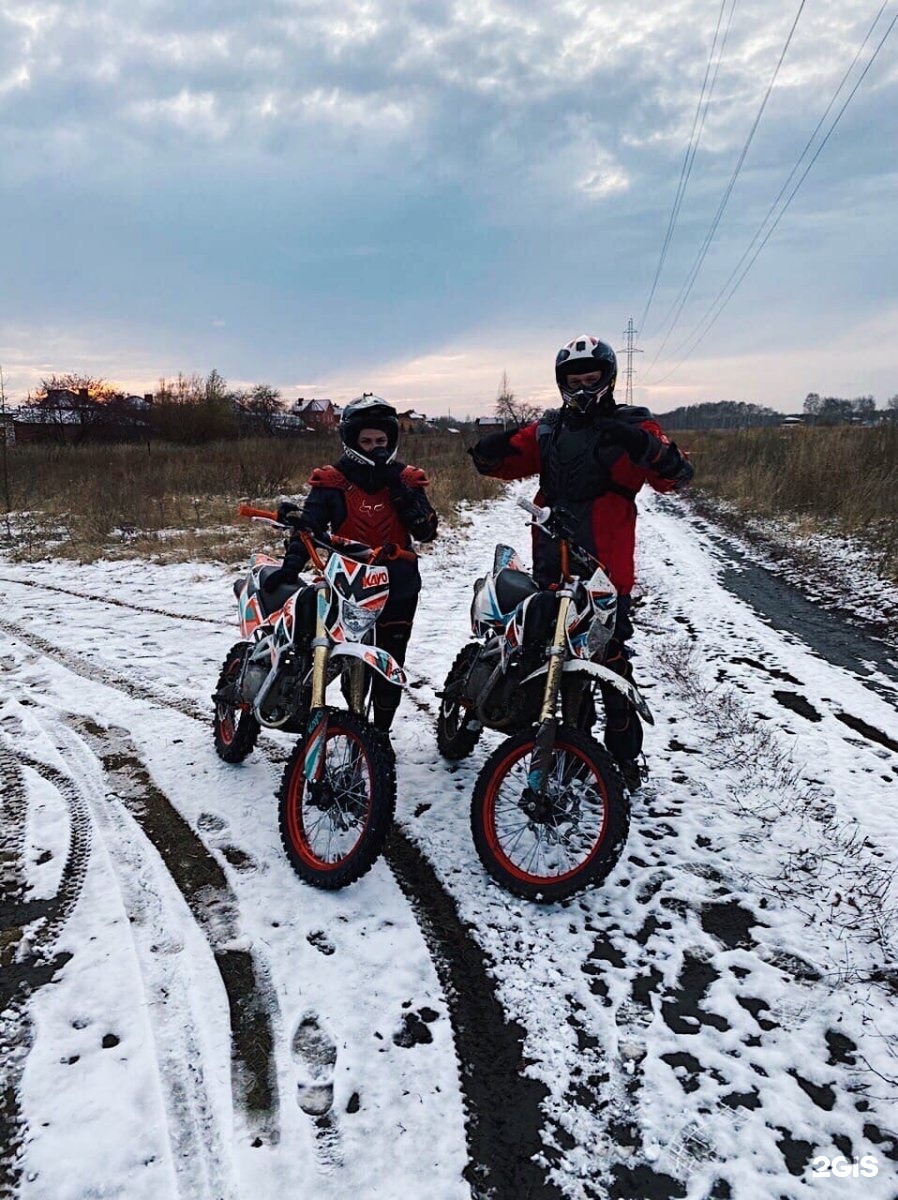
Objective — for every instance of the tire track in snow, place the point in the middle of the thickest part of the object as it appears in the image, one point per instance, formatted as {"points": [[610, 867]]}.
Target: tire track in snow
{"points": [[489, 1048], [114, 601], [197, 1150], [202, 882], [504, 1118], [26, 955], [120, 682]]}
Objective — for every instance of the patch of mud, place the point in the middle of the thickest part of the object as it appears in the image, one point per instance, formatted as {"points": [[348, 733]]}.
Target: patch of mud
{"points": [[870, 732], [797, 704]]}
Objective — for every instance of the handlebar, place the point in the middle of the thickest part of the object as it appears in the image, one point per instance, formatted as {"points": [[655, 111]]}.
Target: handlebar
{"points": [[374, 553], [541, 514], [558, 523]]}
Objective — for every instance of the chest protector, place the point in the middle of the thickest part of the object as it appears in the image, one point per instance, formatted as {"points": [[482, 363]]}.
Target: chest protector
{"points": [[370, 516], [573, 467]]}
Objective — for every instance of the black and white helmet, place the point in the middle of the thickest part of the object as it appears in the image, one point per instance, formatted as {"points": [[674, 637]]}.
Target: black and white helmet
{"points": [[369, 412], [585, 355]]}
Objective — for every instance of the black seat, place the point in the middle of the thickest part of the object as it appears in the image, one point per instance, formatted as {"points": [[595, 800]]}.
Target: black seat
{"points": [[270, 602], [512, 587]]}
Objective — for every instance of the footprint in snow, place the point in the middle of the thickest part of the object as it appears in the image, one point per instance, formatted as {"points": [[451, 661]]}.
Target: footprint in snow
{"points": [[316, 1055]]}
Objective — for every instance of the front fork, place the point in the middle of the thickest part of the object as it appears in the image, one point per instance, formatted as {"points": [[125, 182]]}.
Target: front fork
{"points": [[316, 729], [544, 743]]}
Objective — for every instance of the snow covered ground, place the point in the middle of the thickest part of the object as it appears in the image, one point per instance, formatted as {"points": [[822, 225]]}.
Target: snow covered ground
{"points": [[183, 1018]]}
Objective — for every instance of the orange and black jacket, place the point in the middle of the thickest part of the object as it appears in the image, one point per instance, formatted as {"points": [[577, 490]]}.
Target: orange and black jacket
{"points": [[595, 481]]}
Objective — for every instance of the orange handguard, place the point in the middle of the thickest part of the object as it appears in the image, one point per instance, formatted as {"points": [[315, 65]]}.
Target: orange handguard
{"points": [[247, 510]]}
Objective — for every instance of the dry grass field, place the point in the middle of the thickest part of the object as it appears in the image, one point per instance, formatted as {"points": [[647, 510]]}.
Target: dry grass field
{"points": [[840, 480], [179, 502]]}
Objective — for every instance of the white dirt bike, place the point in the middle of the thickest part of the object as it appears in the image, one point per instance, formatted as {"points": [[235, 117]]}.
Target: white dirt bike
{"points": [[549, 814], [338, 792]]}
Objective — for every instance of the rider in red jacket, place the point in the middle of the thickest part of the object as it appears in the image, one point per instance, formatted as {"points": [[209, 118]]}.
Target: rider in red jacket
{"points": [[369, 497], [592, 457]]}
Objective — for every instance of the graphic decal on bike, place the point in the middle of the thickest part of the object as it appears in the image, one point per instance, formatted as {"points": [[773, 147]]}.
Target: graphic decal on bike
{"points": [[337, 795]]}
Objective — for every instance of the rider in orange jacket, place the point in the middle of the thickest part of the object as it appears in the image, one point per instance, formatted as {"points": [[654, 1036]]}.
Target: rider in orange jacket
{"points": [[592, 456], [370, 497]]}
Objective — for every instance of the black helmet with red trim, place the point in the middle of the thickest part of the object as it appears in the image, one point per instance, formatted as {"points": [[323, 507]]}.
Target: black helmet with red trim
{"points": [[587, 356], [369, 412]]}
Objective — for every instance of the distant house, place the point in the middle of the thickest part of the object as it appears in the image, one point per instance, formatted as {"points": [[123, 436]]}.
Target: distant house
{"points": [[66, 416], [413, 422], [491, 424], [792, 419], [315, 414]]}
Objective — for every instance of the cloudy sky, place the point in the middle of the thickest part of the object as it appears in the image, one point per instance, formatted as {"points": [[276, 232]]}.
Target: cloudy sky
{"points": [[412, 197]]}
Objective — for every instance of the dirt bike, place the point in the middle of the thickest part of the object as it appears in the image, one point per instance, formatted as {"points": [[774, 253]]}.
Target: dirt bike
{"points": [[549, 815], [338, 792]]}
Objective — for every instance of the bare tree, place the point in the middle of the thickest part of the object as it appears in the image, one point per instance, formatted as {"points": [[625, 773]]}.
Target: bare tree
{"points": [[260, 409], [511, 410]]}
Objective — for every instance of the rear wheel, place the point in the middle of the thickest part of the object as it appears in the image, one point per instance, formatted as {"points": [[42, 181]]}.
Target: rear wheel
{"points": [[549, 847], [333, 830], [234, 727], [454, 739]]}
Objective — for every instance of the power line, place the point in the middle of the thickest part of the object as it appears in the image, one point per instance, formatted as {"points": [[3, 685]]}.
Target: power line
{"points": [[685, 341], [792, 194], [712, 230], [701, 111]]}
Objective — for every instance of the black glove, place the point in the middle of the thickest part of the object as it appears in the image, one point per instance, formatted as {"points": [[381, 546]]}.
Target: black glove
{"points": [[491, 450], [282, 575], [631, 439], [385, 553], [390, 476], [285, 508], [291, 514]]}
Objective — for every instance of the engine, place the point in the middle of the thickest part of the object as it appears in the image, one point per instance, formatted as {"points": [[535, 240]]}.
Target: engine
{"points": [[499, 699]]}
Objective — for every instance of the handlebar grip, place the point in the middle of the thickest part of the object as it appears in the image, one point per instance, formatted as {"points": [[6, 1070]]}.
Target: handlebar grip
{"points": [[535, 511], [247, 510]]}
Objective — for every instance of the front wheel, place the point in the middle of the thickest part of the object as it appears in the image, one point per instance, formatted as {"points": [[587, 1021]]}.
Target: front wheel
{"points": [[549, 847], [333, 830], [454, 739], [234, 726]]}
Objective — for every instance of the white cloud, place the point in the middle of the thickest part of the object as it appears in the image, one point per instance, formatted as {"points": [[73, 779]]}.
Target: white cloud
{"points": [[429, 173]]}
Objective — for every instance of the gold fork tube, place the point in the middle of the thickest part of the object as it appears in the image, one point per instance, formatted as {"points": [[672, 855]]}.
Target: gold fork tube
{"points": [[556, 661], [320, 650], [357, 687]]}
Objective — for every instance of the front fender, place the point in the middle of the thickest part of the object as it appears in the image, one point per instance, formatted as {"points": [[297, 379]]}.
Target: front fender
{"points": [[607, 676], [375, 658]]}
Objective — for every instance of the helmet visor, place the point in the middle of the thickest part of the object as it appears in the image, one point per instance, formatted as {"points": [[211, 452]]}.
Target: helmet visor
{"points": [[583, 385]]}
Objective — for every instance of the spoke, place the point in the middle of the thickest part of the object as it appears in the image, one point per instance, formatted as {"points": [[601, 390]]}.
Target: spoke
{"points": [[571, 829]]}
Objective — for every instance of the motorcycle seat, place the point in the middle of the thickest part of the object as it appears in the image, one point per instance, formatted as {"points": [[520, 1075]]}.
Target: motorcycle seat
{"points": [[270, 602], [512, 587]]}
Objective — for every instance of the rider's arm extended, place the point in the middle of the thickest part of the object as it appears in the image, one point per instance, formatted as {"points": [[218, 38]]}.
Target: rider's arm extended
{"points": [[510, 455], [657, 459], [666, 467]]}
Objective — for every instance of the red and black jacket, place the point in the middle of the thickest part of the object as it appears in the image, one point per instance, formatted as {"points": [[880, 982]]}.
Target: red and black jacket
{"points": [[350, 500], [596, 482]]}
